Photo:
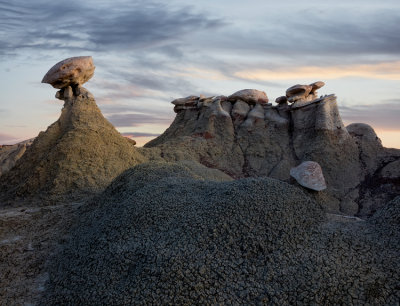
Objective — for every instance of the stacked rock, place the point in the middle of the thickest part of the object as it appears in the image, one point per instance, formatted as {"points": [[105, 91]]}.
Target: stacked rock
{"points": [[300, 94], [68, 76]]}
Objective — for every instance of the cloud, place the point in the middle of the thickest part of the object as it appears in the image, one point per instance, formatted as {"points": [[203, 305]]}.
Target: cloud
{"points": [[139, 134], [383, 70], [135, 120], [384, 116], [96, 26], [5, 138]]}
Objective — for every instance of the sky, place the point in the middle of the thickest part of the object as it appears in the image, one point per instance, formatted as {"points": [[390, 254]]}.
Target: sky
{"points": [[148, 53]]}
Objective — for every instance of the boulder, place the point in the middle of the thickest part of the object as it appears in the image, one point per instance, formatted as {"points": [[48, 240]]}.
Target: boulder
{"points": [[70, 72], [250, 96], [309, 174], [298, 92], [281, 100], [316, 85]]}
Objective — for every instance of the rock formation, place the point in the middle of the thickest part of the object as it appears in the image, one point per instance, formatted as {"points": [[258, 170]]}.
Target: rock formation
{"points": [[72, 71], [309, 174], [243, 135], [206, 212], [9, 154], [81, 152]]}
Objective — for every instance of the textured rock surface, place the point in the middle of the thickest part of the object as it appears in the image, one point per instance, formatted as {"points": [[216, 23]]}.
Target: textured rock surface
{"points": [[9, 154], [70, 72], [80, 152], [309, 174], [250, 96], [246, 139], [178, 240]]}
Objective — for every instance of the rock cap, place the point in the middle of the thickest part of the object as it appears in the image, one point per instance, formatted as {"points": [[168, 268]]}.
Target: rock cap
{"points": [[250, 96], [70, 72]]}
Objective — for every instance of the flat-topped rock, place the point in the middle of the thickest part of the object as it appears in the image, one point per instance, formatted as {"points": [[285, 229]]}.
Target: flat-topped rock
{"points": [[70, 72], [250, 96], [309, 174]]}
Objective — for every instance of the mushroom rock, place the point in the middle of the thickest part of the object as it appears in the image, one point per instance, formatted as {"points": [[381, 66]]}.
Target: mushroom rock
{"points": [[250, 96], [303, 94], [70, 72], [309, 174]]}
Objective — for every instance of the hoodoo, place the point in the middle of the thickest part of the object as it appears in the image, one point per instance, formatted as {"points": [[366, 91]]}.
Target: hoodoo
{"points": [[79, 153], [245, 136]]}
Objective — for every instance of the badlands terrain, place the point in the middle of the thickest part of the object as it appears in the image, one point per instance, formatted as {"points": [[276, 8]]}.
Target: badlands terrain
{"points": [[239, 201]]}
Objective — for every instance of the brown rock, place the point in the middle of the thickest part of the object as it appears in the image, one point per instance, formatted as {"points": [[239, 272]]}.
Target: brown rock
{"points": [[70, 72], [309, 174], [298, 92], [316, 85]]}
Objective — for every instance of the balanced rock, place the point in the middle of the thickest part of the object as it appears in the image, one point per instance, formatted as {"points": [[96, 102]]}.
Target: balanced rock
{"points": [[250, 96], [70, 72], [309, 174], [303, 93], [298, 92]]}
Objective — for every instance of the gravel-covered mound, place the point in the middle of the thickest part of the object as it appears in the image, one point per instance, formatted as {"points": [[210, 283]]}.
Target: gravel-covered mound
{"points": [[168, 238]]}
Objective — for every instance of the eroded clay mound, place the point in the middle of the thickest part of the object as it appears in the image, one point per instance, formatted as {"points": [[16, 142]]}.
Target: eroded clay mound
{"points": [[80, 152], [179, 240]]}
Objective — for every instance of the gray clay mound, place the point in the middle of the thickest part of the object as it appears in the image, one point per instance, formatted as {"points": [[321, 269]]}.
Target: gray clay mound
{"points": [[172, 238]]}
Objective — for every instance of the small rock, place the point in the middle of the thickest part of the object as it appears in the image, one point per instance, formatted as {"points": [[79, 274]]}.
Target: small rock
{"points": [[298, 92], [309, 174], [250, 96], [281, 100], [70, 72]]}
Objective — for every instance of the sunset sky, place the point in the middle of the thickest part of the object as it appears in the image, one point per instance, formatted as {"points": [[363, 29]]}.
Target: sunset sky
{"points": [[148, 53]]}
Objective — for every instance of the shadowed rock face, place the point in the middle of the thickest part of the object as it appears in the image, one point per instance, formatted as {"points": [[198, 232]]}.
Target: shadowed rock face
{"points": [[257, 139]]}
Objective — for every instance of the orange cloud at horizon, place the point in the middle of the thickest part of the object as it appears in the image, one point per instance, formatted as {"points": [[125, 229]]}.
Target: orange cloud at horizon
{"points": [[384, 70], [390, 138]]}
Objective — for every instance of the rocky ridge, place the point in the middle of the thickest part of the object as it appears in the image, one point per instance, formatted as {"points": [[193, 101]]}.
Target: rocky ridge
{"points": [[245, 136]]}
